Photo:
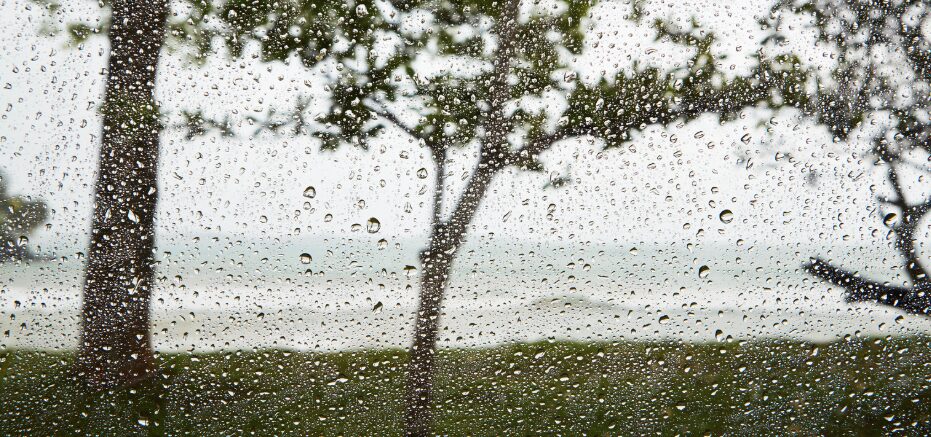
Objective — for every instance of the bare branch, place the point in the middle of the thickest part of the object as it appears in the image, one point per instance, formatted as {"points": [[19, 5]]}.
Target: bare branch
{"points": [[439, 159], [393, 119], [494, 150], [904, 230], [913, 300], [530, 151]]}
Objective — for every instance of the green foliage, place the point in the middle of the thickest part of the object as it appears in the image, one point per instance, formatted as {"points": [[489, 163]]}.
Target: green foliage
{"points": [[196, 124], [130, 113], [375, 47], [611, 110], [849, 387], [863, 33]]}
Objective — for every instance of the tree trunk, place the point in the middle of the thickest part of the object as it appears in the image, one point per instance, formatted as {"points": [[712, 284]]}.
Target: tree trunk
{"points": [[436, 262], [418, 414], [447, 236], [115, 346]]}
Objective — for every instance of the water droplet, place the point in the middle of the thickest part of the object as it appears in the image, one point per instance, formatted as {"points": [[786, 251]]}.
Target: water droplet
{"points": [[745, 139], [726, 216], [306, 258], [422, 173], [664, 319], [361, 11], [132, 216], [310, 192], [891, 219], [703, 271], [383, 243], [373, 225], [378, 307], [23, 240]]}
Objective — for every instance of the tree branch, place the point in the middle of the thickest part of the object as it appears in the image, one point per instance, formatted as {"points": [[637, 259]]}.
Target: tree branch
{"points": [[439, 159], [528, 154], [393, 119], [494, 148], [904, 230], [913, 300]]}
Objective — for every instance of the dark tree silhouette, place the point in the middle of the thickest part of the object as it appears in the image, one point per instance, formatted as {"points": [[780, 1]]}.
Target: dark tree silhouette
{"points": [[115, 346], [870, 37]]}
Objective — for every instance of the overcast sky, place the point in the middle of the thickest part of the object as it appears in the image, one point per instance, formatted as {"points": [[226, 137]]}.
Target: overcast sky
{"points": [[665, 186]]}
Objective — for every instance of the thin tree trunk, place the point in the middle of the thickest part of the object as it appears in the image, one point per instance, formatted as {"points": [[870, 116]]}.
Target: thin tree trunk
{"points": [[446, 237], [436, 261], [419, 397], [115, 346]]}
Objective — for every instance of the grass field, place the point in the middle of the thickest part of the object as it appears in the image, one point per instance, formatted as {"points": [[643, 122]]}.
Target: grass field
{"points": [[850, 387]]}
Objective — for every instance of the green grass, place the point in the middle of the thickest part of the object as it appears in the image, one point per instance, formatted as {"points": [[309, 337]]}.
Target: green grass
{"points": [[851, 387]]}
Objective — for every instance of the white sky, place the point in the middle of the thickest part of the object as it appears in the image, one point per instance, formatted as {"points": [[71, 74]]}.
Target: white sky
{"points": [[663, 187], [667, 188]]}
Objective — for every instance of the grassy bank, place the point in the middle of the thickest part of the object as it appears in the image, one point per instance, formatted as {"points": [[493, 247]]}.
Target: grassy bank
{"points": [[859, 386]]}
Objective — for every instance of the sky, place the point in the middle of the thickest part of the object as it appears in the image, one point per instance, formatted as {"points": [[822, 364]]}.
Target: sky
{"points": [[647, 215], [786, 181]]}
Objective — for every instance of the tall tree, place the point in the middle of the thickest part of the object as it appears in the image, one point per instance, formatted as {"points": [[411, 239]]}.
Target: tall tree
{"points": [[883, 75], [115, 346], [487, 60]]}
